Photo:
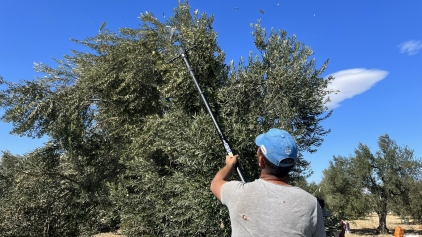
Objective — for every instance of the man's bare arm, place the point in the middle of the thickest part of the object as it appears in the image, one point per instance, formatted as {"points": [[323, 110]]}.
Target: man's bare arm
{"points": [[223, 176]]}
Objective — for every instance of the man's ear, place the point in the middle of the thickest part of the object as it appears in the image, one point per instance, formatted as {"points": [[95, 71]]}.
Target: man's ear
{"points": [[261, 162]]}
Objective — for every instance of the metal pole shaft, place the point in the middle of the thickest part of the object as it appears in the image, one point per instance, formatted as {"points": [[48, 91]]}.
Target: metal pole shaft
{"points": [[207, 106]]}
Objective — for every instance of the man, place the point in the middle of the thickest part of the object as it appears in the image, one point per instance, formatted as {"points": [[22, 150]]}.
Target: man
{"points": [[269, 206]]}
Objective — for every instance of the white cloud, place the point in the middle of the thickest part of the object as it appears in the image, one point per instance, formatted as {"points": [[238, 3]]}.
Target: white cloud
{"points": [[411, 47], [353, 82]]}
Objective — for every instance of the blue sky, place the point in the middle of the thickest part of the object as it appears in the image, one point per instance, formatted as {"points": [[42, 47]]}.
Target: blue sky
{"points": [[374, 48]]}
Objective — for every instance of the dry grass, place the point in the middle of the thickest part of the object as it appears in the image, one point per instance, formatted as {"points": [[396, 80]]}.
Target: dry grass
{"points": [[359, 228], [367, 227], [108, 235]]}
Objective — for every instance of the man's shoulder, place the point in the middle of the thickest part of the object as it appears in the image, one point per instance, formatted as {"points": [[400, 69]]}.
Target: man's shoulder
{"points": [[239, 186], [233, 184], [230, 190]]}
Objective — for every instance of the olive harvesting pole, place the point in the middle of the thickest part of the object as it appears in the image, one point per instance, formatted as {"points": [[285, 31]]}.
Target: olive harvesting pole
{"points": [[223, 139]]}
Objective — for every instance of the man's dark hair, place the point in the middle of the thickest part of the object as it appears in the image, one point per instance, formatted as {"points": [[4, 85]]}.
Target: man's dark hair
{"points": [[272, 169]]}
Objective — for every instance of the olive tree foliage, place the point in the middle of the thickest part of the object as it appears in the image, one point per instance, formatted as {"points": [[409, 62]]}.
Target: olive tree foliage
{"points": [[130, 143], [344, 197], [411, 207], [44, 194], [368, 182], [281, 88], [37, 204], [179, 152]]}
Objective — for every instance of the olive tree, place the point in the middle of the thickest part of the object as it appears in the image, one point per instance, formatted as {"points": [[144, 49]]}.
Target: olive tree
{"points": [[129, 135], [368, 182]]}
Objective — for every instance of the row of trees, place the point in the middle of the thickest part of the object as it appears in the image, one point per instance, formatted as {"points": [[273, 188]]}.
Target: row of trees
{"points": [[130, 145], [389, 180]]}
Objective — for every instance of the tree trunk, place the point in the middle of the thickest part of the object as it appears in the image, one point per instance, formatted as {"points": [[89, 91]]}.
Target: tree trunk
{"points": [[382, 227]]}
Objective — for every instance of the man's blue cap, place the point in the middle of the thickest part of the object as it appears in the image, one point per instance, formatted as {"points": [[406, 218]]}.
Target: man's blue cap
{"points": [[277, 145]]}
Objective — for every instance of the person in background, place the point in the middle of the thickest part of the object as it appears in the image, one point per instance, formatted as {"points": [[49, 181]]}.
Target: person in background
{"points": [[343, 229], [347, 227]]}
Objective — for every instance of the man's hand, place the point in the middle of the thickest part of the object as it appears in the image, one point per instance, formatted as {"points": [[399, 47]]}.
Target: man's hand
{"points": [[231, 160], [223, 175]]}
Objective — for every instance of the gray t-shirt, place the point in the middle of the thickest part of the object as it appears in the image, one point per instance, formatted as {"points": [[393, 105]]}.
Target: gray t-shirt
{"points": [[262, 208]]}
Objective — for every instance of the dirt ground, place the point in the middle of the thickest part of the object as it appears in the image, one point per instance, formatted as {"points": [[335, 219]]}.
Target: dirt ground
{"points": [[359, 228], [367, 227], [108, 235]]}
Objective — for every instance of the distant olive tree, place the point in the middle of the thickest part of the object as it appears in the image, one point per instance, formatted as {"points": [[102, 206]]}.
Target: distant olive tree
{"points": [[367, 182]]}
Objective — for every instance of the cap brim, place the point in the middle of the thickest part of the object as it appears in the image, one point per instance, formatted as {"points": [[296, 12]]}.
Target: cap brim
{"points": [[258, 140]]}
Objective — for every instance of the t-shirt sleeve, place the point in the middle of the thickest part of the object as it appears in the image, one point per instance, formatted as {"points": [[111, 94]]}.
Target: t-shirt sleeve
{"points": [[230, 191]]}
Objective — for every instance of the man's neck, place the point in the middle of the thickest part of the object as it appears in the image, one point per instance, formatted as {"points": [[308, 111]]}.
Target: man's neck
{"points": [[276, 180]]}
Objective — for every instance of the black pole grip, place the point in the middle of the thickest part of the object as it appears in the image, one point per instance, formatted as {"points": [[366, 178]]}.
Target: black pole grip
{"points": [[207, 106]]}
